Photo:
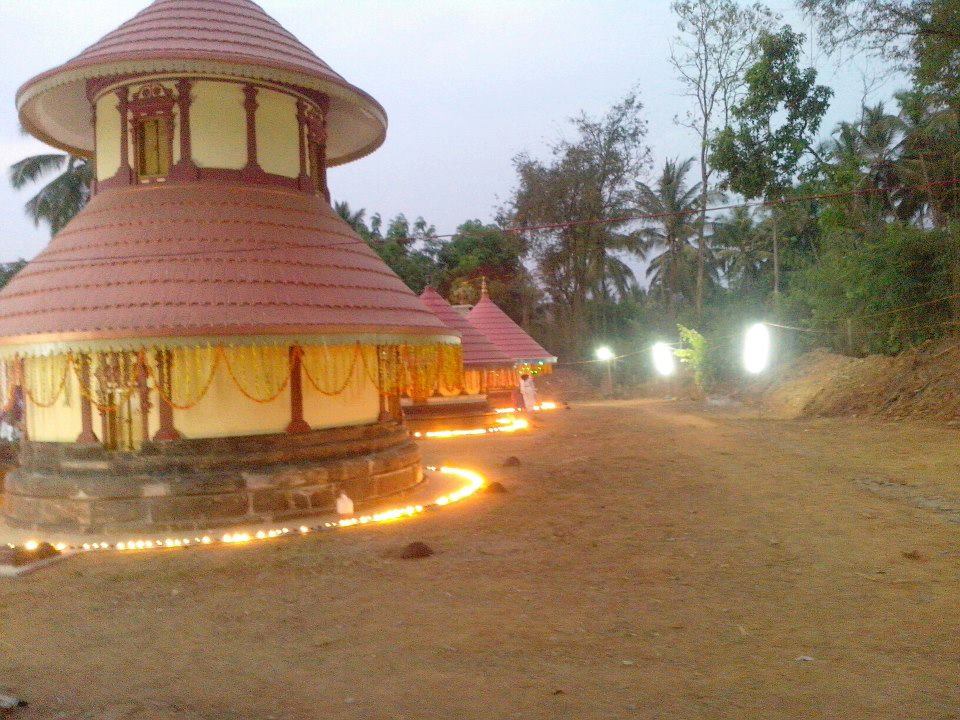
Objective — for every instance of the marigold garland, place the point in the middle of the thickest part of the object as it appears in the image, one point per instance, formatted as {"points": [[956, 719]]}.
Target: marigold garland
{"points": [[260, 373]]}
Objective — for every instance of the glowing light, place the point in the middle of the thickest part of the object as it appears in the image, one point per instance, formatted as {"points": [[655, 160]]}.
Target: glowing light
{"points": [[503, 426], [473, 482], [549, 405], [604, 354], [664, 361], [756, 348]]}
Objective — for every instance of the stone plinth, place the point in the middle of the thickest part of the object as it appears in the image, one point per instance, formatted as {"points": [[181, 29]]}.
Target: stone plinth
{"points": [[207, 483]]}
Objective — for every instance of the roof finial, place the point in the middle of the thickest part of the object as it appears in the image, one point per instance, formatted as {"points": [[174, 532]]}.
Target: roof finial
{"points": [[483, 287]]}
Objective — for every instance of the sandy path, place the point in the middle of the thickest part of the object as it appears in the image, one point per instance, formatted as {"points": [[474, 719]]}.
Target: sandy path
{"points": [[651, 561]]}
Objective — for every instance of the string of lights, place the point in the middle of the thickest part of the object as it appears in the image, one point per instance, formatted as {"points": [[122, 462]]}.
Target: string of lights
{"points": [[473, 482]]}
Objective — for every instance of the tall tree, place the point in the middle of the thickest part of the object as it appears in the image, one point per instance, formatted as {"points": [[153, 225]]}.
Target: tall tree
{"points": [[771, 140], [60, 199], [672, 233], [715, 45], [588, 178]]}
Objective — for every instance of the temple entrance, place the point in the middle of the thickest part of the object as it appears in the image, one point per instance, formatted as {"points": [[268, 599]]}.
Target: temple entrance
{"points": [[123, 401], [122, 421]]}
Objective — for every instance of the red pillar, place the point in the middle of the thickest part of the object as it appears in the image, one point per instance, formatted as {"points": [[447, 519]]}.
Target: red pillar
{"points": [[303, 179], [166, 432], [250, 105], [185, 169], [126, 169], [87, 435], [297, 422], [382, 387]]}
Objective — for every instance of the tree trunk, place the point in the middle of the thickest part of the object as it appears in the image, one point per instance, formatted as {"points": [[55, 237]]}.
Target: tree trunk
{"points": [[776, 260], [701, 228]]}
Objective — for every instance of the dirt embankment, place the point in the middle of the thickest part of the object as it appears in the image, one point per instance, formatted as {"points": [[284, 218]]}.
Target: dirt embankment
{"points": [[921, 383]]}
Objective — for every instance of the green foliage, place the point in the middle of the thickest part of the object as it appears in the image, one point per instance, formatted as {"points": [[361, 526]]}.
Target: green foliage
{"points": [[693, 352], [591, 176], [672, 271], [9, 269], [775, 123], [869, 280], [60, 199]]}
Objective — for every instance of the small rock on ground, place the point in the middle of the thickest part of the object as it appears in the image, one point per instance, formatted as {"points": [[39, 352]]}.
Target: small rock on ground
{"points": [[415, 551]]}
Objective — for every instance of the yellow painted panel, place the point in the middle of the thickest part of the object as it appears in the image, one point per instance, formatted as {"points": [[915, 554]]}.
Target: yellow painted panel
{"points": [[225, 412], [359, 404], [278, 146], [59, 423], [218, 125], [108, 136]]}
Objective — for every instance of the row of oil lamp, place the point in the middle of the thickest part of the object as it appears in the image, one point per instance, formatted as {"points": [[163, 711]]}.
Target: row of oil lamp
{"points": [[473, 481], [504, 425]]}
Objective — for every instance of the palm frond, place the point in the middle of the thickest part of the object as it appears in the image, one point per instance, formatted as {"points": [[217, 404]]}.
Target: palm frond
{"points": [[32, 168]]}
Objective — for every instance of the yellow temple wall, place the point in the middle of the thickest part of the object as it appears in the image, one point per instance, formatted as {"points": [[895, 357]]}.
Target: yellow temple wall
{"points": [[359, 404], [225, 411], [218, 125], [108, 137], [278, 146], [59, 423]]}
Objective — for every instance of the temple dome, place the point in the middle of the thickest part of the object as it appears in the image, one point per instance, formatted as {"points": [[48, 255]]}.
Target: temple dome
{"points": [[228, 37], [509, 337], [478, 350], [187, 261]]}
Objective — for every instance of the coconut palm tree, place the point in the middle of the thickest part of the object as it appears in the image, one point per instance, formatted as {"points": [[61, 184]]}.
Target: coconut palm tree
{"points": [[673, 232], [64, 196], [743, 250], [355, 219]]}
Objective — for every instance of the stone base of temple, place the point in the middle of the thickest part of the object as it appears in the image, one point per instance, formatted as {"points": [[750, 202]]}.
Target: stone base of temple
{"points": [[199, 484], [463, 413]]}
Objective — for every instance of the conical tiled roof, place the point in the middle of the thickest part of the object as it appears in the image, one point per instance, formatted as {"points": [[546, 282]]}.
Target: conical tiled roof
{"points": [[210, 260], [235, 37], [505, 333], [478, 350]]}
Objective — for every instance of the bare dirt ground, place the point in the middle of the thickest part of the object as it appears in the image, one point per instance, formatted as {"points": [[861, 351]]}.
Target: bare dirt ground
{"points": [[651, 560]]}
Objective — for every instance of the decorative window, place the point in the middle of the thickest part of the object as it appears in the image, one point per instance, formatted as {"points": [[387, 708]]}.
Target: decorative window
{"points": [[151, 112], [154, 148]]}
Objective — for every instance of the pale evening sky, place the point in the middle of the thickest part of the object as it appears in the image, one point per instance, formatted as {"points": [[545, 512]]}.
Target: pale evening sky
{"points": [[466, 86]]}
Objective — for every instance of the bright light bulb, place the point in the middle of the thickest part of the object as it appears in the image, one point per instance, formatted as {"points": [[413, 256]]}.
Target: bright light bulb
{"points": [[604, 354], [756, 348], [663, 359]]}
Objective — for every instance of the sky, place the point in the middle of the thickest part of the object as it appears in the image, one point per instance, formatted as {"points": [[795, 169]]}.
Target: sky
{"points": [[466, 86]]}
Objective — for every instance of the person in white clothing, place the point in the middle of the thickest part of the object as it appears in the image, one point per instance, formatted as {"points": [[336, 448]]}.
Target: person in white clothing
{"points": [[528, 390]]}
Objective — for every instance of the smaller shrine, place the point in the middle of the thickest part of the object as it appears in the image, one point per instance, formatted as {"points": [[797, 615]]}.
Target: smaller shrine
{"points": [[526, 354], [486, 370]]}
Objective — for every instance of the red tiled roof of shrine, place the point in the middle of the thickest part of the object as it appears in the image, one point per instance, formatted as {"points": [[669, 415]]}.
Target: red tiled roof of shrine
{"points": [[235, 37], [192, 260], [478, 350], [505, 333]]}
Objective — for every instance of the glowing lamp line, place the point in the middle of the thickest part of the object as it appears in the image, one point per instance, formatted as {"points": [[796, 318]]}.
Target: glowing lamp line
{"points": [[473, 481]]}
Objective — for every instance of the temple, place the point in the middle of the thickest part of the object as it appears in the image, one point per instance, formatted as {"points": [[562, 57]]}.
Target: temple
{"points": [[525, 353], [207, 342], [487, 371]]}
